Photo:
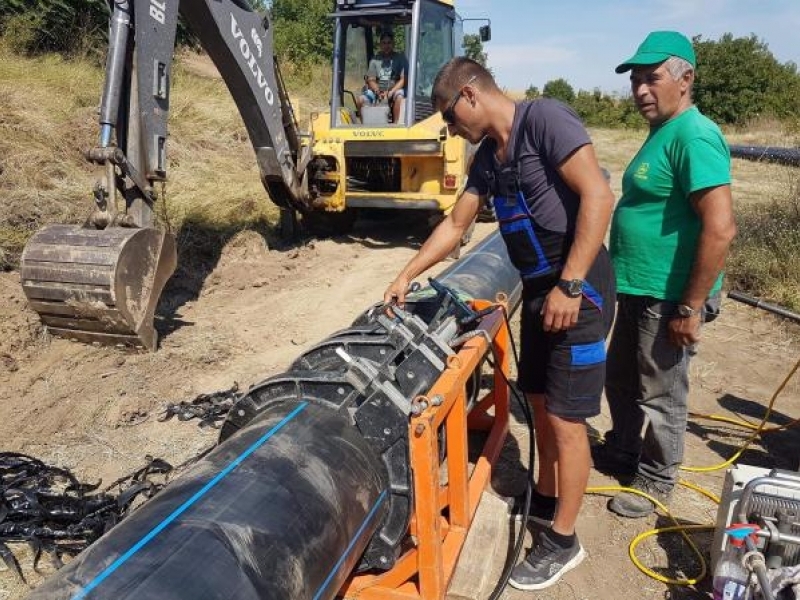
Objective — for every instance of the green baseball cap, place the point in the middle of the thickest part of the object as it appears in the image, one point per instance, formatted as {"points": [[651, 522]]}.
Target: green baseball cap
{"points": [[657, 47]]}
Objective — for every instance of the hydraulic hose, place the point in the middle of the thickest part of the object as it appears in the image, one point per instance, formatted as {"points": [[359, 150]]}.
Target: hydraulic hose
{"points": [[115, 65]]}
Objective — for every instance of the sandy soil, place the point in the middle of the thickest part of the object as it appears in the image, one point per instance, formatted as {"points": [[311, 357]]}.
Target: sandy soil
{"points": [[94, 410]]}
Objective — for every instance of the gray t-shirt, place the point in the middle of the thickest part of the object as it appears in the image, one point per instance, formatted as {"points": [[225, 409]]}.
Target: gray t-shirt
{"points": [[554, 132], [387, 70]]}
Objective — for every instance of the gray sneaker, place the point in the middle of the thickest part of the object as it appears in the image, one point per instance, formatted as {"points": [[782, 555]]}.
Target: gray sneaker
{"points": [[634, 506], [545, 564]]}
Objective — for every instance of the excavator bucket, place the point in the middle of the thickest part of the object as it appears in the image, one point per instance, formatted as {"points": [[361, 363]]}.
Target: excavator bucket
{"points": [[98, 286]]}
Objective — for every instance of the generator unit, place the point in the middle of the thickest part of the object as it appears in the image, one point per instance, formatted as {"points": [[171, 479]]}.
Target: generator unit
{"points": [[769, 498]]}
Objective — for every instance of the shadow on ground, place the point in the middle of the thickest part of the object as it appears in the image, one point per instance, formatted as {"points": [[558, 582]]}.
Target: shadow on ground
{"points": [[778, 449], [683, 563]]}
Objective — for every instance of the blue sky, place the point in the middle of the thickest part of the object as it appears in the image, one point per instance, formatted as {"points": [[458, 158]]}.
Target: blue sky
{"points": [[534, 41]]}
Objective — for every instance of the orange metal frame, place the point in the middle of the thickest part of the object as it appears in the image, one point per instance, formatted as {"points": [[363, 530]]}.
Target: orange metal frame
{"points": [[443, 511]]}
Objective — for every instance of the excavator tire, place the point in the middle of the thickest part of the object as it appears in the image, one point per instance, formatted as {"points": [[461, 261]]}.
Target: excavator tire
{"points": [[98, 286]]}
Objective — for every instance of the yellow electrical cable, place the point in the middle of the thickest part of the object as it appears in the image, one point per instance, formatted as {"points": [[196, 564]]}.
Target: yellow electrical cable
{"points": [[757, 432], [724, 419], [759, 429], [682, 529], [677, 527], [693, 486]]}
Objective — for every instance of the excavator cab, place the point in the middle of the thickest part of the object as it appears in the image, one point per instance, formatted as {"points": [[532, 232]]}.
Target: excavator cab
{"points": [[426, 34], [367, 158]]}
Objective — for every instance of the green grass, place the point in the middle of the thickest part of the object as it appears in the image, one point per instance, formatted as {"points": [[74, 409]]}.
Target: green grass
{"points": [[765, 258]]}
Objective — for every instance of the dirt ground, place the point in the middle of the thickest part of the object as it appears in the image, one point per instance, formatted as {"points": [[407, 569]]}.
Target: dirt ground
{"points": [[94, 410]]}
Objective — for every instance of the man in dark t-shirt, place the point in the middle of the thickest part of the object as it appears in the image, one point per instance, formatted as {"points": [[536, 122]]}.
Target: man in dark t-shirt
{"points": [[386, 77], [553, 205]]}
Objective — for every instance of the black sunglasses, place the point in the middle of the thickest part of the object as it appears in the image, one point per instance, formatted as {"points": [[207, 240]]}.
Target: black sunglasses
{"points": [[448, 114]]}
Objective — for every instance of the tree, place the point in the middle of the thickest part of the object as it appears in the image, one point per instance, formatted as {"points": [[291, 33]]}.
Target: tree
{"points": [[739, 79], [560, 89], [473, 48], [597, 109], [303, 31], [37, 26], [532, 93]]}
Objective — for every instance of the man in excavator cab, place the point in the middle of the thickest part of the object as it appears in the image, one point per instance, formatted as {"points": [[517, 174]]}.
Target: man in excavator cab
{"points": [[386, 78]]}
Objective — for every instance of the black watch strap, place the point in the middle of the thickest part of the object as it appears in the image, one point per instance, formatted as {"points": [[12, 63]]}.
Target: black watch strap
{"points": [[571, 287]]}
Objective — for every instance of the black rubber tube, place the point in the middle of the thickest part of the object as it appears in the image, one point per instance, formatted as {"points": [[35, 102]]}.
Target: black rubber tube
{"points": [[282, 510], [770, 154], [773, 308]]}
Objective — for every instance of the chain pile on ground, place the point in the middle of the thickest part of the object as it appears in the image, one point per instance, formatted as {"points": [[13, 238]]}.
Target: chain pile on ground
{"points": [[210, 409], [47, 507]]}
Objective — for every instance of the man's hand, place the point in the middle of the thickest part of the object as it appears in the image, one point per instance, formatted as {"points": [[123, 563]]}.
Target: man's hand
{"points": [[560, 312], [396, 292], [685, 331]]}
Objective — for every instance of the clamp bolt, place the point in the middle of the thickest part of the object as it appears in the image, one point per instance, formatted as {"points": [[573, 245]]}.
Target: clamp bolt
{"points": [[417, 408]]}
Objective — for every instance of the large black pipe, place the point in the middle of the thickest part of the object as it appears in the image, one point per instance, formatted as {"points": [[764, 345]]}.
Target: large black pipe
{"points": [[309, 482], [282, 510], [757, 303], [484, 272], [770, 154]]}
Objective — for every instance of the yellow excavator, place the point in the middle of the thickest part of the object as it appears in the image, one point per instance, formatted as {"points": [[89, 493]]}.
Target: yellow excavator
{"points": [[100, 282]]}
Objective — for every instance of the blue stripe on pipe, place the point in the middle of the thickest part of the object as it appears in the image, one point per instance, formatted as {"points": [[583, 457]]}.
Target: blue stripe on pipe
{"points": [[186, 505], [357, 534]]}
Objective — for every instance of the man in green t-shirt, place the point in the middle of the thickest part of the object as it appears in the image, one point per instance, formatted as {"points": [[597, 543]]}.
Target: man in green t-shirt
{"points": [[669, 237]]}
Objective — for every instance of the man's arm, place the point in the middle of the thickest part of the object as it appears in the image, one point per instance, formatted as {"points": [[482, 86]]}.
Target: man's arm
{"points": [[581, 172], [714, 206], [401, 80], [372, 84], [372, 77], [439, 244]]}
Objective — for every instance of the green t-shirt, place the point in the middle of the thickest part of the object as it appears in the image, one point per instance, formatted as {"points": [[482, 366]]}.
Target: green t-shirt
{"points": [[655, 229]]}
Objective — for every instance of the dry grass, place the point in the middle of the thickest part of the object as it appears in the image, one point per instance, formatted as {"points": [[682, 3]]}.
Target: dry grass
{"points": [[615, 148], [44, 124], [754, 182], [49, 118]]}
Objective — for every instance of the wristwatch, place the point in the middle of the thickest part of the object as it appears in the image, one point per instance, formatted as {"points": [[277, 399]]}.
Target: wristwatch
{"points": [[686, 311], [571, 287]]}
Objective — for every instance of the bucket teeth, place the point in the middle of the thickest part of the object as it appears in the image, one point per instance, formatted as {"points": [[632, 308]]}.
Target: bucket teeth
{"points": [[98, 286]]}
